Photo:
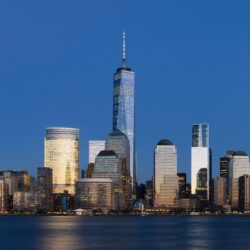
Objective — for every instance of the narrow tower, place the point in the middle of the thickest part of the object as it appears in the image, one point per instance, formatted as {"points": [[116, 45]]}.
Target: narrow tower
{"points": [[123, 106]]}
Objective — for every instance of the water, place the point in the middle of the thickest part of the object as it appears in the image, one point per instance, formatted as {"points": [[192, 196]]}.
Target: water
{"points": [[169, 232]]}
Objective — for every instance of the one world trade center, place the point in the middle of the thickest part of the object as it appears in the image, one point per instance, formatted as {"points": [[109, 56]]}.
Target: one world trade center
{"points": [[124, 108]]}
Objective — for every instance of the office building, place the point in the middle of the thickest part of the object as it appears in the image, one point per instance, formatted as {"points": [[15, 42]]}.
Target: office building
{"points": [[200, 161], [124, 108], [90, 170], [11, 179], [44, 189], [23, 181], [220, 191], [61, 154], [244, 193], [166, 187], [119, 143], [224, 168], [182, 178], [239, 166], [24, 202], [3, 195], [63, 202], [107, 165], [95, 147], [94, 193]]}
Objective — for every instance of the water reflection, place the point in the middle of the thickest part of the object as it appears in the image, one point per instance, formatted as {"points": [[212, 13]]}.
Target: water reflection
{"points": [[166, 232], [198, 233], [60, 233]]}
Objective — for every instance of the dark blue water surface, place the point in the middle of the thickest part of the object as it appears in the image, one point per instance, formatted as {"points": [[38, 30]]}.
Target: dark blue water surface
{"points": [[169, 232]]}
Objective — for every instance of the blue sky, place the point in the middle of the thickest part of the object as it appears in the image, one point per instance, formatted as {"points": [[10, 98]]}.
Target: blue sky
{"points": [[57, 59]]}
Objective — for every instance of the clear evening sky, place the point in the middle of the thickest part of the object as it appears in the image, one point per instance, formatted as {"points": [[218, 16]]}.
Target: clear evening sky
{"points": [[57, 59]]}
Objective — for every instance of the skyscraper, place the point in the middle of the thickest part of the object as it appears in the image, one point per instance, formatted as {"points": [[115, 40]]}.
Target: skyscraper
{"points": [[182, 180], [61, 154], [44, 189], [118, 142], [239, 166], [123, 107], [244, 193], [95, 147], [166, 185], [200, 160], [220, 191], [107, 165]]}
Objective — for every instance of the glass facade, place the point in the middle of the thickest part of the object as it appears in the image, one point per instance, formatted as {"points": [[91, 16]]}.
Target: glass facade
{"points": [[166, 185], [95, 147], [200, 135], [44, 189], [244, 193], [124, 108], [61, 154], [182, 178], [239, 166], [118, 142], [108, 165], [200, 160], [94, 193]]}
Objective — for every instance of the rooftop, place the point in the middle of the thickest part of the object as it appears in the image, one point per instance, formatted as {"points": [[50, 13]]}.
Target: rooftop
{"points": [[165, 142]]}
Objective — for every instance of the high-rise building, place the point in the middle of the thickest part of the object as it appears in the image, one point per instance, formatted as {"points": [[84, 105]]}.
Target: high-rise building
{"points": [[107, 165], [224, 168], [220, 191], [11, 179], [95, 147], [124, 108], [23, 181], [94, 193], [200, 161], [239, 166], [182, 178], [244, 193], [166, 187], [44, 189], [3, 195], [89, 171], [61, 154], [119, 143]]}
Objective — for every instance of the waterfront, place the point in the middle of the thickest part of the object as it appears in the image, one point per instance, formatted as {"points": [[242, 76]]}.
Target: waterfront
{"points": [[125, 232]]}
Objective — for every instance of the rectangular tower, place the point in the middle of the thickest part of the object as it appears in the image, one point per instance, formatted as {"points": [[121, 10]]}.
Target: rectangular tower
{"points": [[166, 188], [200, 160]]}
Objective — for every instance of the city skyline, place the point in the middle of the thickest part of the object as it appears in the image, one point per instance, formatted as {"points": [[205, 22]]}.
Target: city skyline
{"points": [[53, 82]]}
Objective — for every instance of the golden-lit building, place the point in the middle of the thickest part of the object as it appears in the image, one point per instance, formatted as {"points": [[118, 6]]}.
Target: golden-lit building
{"points": [[61, 154], [166, 187]]}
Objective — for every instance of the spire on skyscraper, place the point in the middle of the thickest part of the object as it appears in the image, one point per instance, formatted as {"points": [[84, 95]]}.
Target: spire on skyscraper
{"points": [[124, 49]]}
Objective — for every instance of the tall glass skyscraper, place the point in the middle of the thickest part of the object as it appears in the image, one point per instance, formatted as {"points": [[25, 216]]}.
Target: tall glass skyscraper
{"points": [[124, 108], [200, 157], [61, 153]]}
